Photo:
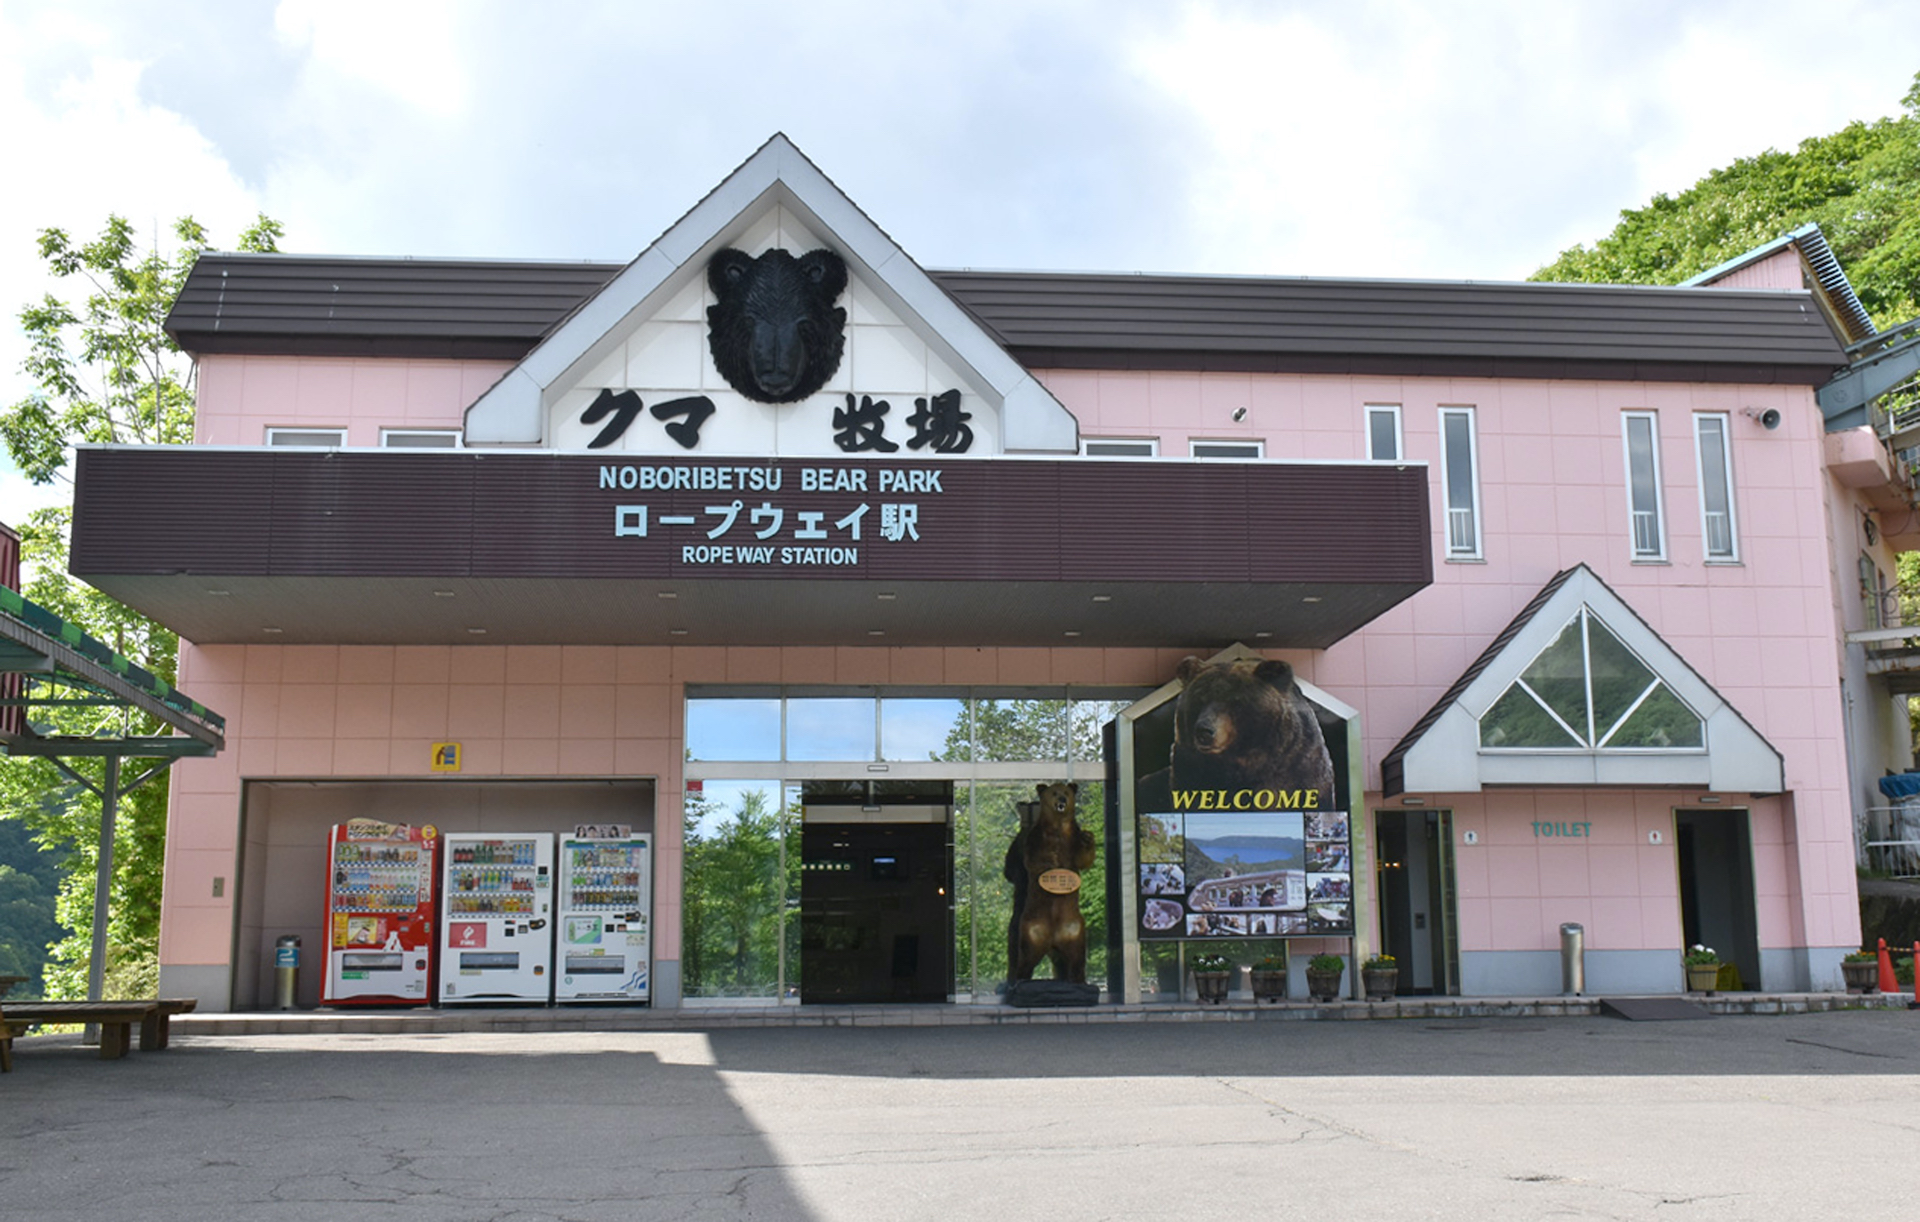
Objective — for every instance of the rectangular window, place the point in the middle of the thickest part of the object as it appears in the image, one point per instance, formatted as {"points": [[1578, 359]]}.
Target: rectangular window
{"points": [[1720, 539], [420, 439], [1120, 447], [307, 437], [1228, 449], [1642, 432], [1460, 482], [1383, 432]]}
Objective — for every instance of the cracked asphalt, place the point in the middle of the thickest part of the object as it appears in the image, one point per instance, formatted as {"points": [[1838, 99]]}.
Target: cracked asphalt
{"points": [[1734, 1118]]}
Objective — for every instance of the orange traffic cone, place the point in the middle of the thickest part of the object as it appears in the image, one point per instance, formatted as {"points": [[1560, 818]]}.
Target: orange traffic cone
{"points": [[1888, 983], [1915, 1003]]}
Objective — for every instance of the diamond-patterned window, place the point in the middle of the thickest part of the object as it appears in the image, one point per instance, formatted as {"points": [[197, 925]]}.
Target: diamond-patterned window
{"points": [[1588, 691]]}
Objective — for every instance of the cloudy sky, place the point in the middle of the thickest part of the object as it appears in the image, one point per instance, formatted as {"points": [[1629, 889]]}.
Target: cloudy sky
{"points": [[1461, 140]]}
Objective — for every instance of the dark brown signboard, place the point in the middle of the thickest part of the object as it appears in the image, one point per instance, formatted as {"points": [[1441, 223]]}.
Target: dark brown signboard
{"points": [[1345, 541]]}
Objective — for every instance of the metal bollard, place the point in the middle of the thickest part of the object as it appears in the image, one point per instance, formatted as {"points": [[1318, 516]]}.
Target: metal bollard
{"points": [[1573, 960], [286, 971]]}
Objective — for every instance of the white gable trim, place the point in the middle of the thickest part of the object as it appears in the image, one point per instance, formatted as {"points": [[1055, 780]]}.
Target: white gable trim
{"points": [[513, 411], [1448, 758]]}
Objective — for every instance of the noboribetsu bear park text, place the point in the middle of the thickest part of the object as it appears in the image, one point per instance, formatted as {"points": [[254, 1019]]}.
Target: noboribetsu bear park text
{"points": [[772, 620]]}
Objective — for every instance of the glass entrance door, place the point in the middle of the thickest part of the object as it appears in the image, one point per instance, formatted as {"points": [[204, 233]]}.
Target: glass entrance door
{"points": [[876, 891]]}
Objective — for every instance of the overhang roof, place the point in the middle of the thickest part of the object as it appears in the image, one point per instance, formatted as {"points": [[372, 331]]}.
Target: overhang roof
{"points": [[312, 305], [498, 547]]}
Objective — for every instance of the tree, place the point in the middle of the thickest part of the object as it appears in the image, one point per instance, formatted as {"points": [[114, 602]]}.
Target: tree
{"points": [[1861, 184], [104, 371], [734, 895]]}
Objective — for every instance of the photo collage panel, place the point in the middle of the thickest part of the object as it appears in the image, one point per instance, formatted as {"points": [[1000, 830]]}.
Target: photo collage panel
{"points": [[1244, 874]]}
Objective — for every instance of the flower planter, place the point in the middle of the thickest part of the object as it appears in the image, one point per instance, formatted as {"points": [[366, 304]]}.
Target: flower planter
{"points": [[1703, 978], [1324, 986], [1211, 987], [1380, 982], [1862, 977], [1269, 986]]}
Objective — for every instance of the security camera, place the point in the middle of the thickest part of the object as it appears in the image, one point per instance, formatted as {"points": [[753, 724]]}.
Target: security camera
{"points": [[1769, 417]]}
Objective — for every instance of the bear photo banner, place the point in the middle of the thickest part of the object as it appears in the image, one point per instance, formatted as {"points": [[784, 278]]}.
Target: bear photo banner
{"points": [[1238, 834]]}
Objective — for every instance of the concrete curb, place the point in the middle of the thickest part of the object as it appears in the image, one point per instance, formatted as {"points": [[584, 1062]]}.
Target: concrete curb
{"points": [[705, 1018]]}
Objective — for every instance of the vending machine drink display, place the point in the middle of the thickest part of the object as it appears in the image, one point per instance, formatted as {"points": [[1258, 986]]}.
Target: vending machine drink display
{"points": [[498, 899], [604, 916], [380, 914]]}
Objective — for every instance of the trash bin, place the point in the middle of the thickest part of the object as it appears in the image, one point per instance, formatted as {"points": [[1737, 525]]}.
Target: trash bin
{"points": [[1573, 960], [286, 972]]}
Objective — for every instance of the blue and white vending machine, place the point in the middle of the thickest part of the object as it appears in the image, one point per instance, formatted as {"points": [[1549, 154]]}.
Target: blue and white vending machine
{"points": [[605, 915]]}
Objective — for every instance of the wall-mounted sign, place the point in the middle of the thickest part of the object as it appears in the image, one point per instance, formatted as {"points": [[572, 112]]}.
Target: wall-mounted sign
{"points": [[1239, 834], [1545, 829], [445, 757]]}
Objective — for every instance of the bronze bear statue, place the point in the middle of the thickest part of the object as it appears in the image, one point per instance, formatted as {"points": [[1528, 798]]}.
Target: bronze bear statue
{"points": [[1043, 862]]}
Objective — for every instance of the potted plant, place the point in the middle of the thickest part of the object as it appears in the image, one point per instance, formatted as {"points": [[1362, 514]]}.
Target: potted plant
{"points": [[1703, 969], [1861, 970], [1270, 978], [1323, 976], [1211, 973], [1381, 976]]}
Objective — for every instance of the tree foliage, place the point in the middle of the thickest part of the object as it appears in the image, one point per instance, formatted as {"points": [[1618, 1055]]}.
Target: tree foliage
{"points": [[1861, 184], [105, 371], [734, 895]]}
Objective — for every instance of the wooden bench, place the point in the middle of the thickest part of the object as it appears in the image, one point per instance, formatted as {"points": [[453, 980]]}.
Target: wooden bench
{"points": [[114, 1018]]}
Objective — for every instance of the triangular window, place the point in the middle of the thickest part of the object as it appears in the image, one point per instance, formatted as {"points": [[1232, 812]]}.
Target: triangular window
{"points": [[1588, 691]]}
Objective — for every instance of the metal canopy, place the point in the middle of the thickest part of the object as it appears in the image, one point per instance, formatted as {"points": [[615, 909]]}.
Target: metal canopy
{"points": [[63, 665], [47, 663]]}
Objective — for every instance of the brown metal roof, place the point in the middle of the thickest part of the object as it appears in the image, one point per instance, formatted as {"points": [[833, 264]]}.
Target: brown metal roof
{"points": [[312, 306], [308, 305]]}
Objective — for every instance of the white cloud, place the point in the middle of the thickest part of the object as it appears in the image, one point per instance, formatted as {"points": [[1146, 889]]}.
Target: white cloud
{"points": [[407, 50], [1477, 140], [83, 144]]}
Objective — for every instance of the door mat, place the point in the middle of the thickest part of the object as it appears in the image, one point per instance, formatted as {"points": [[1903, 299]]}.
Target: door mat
{"points": [[1652, 1009], [1052, 993]]}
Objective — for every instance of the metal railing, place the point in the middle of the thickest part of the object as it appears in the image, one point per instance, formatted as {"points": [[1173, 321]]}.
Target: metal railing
{"points": [[1462, 538], [1719, 535], [1893, 858], [1896, 606], [1646, 534], [1888, 839]]}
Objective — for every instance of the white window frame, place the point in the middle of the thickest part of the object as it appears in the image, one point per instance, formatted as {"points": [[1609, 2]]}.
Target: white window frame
{"points": [[1392, 411], [1464, 536], [1730, 528], [1646, 525], [1120, 447], [276, 432], [387, 435], [1254, 449]]}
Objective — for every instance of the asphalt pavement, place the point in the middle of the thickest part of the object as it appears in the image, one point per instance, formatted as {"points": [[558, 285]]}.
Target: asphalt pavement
{"points": [[1586, 1117]]}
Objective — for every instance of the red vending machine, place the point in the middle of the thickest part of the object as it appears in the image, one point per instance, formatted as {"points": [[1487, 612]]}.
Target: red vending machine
{"points": [[380, 912]]}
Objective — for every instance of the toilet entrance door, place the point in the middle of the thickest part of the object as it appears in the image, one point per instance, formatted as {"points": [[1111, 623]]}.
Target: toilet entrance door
{"points": [[876, 892]]}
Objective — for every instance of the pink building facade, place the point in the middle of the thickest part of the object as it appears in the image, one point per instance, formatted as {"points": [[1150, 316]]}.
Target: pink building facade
{"points": [[1647, 498]]}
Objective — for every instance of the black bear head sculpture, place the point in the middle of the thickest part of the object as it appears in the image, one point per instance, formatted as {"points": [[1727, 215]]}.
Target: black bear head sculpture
{"points": [[775, 334]]}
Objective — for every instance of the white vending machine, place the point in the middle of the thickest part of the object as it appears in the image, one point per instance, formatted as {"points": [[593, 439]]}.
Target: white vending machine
{"points": [[604, 915], [497, 928]]}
